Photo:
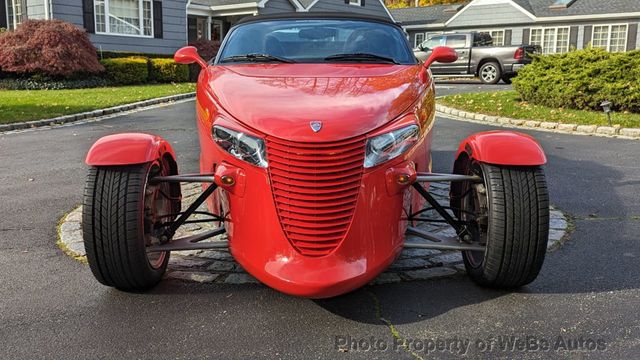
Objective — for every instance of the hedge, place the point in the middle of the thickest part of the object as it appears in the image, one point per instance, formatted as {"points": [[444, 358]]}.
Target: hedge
{"points": [[104, 54], [167, 70], [582, 80], [126, 71]]}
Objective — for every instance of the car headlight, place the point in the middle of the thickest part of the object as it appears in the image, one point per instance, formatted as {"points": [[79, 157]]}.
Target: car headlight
{"points": [[390, 145], [244, 147]]}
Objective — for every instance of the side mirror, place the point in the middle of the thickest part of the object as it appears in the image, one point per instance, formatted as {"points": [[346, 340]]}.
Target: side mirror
{"points": [[441, 54], [189, 55]]}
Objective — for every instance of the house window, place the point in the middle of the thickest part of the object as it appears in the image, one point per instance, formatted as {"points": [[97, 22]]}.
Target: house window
{"points": [[419, 39], [497, 36], [552, 40], [14, 14], [355, 2], [124, 17], [610, 37]]}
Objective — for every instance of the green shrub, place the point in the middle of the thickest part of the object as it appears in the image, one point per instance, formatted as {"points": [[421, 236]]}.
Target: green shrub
{"points": [[582, 80], [126, 71], [122, 54], [167, 70]]}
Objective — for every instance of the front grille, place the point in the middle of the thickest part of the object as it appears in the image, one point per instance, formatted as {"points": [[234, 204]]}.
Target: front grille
{"points": [[315, 188]]}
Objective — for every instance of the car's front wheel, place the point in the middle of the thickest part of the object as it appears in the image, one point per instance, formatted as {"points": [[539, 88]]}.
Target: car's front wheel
{"points": [[509, 214], [123, 214]]}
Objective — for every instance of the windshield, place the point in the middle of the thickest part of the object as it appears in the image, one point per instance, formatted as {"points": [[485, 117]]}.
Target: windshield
{"points": [[316, 41]]}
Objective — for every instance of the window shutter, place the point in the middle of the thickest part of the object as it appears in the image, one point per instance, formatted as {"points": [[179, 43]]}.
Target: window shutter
{"points": [[573, 37], [362, 3], [3, 14], [587, 36], [632, 36], [525, 36], [507, 37], [87, 15], [157, 19], [346, 2]]}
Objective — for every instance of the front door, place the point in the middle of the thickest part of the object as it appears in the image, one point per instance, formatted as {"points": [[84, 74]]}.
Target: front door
{"points": [[197, 28], [201, 28], [217, 30]]}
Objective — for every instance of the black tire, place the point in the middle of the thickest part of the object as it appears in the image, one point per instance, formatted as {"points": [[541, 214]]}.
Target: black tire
{"points": [[507, 79], [515, 229], [490, 73], [114, 228]]}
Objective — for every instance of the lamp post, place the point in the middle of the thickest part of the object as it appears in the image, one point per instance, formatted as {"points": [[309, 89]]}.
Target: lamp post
{"points": [[606, 107]]}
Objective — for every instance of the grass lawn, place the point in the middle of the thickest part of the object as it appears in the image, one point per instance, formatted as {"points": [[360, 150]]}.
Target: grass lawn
{"points": [[25, 105], [507, 104]]}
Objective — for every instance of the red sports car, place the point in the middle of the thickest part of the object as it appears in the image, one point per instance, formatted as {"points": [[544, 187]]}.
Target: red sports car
{"points": [[315, 134]]}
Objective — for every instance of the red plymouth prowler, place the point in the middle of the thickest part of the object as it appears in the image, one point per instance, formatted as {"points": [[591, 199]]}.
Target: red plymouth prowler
{"points": [[315, 159]]}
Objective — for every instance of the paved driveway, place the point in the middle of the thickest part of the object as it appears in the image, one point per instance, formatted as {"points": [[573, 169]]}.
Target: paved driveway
{"points": [[51, 307]]}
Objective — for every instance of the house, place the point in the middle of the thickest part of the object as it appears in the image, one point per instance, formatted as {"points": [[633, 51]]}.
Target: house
{"points": [[163, 26], [556, 25], [212, 18]]}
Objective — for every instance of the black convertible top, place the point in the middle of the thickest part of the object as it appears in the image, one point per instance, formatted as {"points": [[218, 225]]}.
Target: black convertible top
{"points": [[316, 15]]}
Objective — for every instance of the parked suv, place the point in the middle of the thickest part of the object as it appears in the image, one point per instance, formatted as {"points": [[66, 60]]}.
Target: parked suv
{"points": [[478, 57]]}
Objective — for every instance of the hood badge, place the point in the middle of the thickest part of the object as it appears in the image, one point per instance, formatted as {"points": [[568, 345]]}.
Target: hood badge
{"points": [[316, 125]]}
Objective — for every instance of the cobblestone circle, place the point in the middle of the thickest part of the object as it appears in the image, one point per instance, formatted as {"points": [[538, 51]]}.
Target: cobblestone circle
{"points": [[217, 266]]}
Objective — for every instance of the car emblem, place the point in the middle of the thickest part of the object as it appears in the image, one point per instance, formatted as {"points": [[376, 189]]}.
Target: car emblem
{"points": [[316, 125]]}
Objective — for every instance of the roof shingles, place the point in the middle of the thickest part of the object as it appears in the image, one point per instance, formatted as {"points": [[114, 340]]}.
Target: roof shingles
{"points": [[435, 14]]}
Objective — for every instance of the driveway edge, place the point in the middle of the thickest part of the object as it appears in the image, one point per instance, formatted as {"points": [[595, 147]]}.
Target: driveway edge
{"points": [[93, 114], [575, 129]]}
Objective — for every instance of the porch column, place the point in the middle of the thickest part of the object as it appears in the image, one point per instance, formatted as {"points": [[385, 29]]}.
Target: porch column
{"points": [[209, 27]]}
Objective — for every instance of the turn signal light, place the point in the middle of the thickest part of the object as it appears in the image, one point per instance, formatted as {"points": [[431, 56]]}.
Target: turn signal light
{"points": [[403, 179], [227, 180]]}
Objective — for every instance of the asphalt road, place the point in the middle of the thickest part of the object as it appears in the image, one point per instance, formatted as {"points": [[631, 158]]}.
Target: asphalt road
{"points": [[51, 307]]}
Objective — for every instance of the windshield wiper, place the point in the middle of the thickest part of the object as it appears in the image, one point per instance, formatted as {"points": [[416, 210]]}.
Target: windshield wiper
{"points": [[256, 58], [360, 57]]}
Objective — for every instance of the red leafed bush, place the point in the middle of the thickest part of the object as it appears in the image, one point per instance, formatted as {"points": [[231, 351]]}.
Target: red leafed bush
{"points": [[206, 48], [48, 47]]}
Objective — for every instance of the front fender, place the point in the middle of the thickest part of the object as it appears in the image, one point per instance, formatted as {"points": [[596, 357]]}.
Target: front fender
{"points": [[128, 149], [503, 148]]}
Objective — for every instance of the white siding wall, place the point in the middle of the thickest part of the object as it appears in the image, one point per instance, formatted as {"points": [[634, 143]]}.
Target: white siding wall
{"points": [[372, 7], [517, 32], [277, 6], [498, 14], [174, 24], [35, 9]]}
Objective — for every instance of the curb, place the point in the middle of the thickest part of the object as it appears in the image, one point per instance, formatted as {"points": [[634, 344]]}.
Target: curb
{"points": [[93, 114], [575, 129]]}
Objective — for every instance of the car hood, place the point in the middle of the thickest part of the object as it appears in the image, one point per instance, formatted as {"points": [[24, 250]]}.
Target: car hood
{"points": [[283, 99]]}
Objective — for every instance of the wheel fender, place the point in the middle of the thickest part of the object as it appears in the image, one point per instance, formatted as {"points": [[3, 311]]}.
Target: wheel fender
{"points": [[128, 149], [503, 148]]}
